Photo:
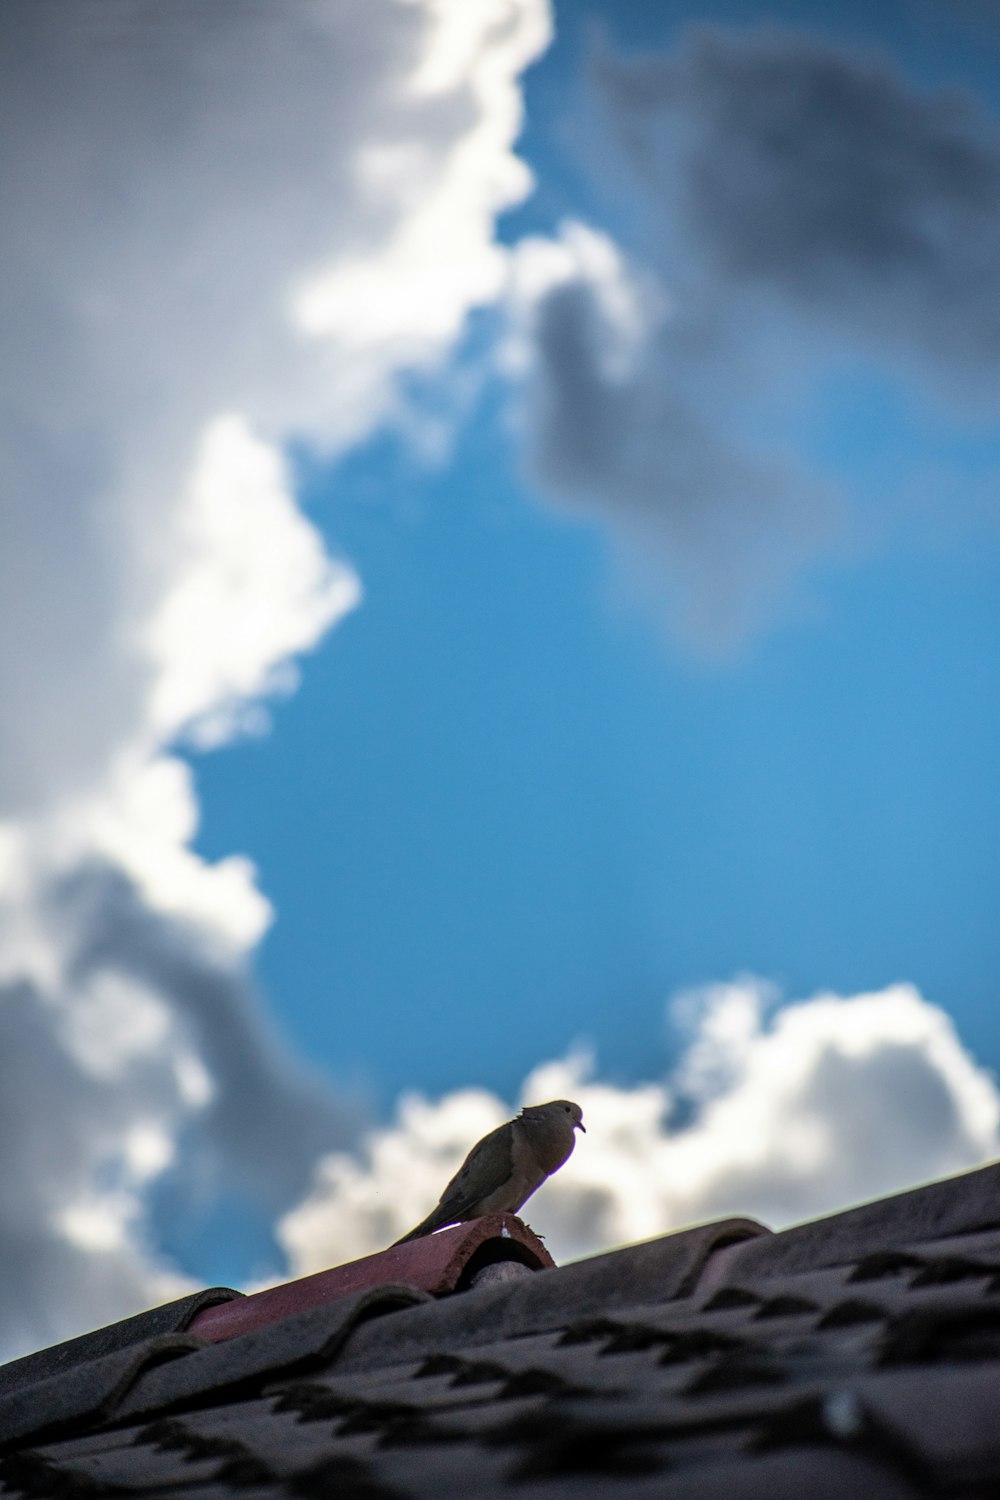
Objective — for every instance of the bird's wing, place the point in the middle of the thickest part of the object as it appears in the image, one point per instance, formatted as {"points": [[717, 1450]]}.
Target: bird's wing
{"points": [[484, 1171], [487, 1167]]}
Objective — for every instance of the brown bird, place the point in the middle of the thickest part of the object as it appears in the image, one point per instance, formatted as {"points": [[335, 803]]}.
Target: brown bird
{"points": [[505, 1168]]}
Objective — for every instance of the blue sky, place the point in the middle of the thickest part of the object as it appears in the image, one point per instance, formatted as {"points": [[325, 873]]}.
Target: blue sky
{"points": [[585, 818], [501, 638], [506, 811]]}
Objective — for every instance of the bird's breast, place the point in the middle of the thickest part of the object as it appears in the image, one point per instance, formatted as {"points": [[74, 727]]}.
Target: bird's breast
{"points": [[550, 1144]]}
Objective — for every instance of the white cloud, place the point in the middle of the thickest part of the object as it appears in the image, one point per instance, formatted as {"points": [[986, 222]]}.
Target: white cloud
{"points": [[251, 587], [227, 226], [408, 302], [629, 305], [143, 820], [787, 1114], [149, 288]]}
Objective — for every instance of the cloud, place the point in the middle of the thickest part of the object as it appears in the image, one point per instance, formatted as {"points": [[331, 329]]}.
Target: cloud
{"points": [[135, 1050], [780, 1114], [790, 210], [252, 587], [77, 1151], [134, 1046], [619, 430], [157, 278], [228, 226], [828, 179]]}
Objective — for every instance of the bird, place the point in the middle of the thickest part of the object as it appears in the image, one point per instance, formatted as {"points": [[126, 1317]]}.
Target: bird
{"points": [[503, 1169]]}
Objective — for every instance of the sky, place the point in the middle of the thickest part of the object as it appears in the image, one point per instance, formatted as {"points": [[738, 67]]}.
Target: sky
{"points": [[500, 601]]}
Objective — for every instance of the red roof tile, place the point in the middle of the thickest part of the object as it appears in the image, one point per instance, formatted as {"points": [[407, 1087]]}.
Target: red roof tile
{"points": [[437, 1263]]}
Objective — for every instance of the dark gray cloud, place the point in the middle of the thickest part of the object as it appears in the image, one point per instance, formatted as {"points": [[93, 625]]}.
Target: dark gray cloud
{"points": [[790, 208], [727, 526], [58, 1128], [270, 1116], [827, 179], [142, 1028]]}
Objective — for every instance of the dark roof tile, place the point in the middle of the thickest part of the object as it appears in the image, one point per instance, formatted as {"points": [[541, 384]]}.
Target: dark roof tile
{"points": [[345, 1477], [142, 1467], [88, 1393], [655, 1270], [883, 1263], [797, 1474], [172, 1317], [144, 1377], [787, 1306], [949, 1333], [960, 1205], [253, 1446], [949, 1421], [851, 1311], [306, 1338]]}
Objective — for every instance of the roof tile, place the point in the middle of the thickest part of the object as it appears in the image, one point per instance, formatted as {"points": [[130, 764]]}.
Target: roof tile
{"points": [[435, 1263], [655, 1270], [782, 1366], [959, 1205], [172, 1317], [304, 1339]]}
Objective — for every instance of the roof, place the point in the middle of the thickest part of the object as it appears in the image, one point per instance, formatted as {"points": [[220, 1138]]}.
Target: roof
{"points": [[856, 1355]]}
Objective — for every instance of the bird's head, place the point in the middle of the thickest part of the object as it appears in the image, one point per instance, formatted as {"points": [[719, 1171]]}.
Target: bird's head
{"points": [[557, 1109]]}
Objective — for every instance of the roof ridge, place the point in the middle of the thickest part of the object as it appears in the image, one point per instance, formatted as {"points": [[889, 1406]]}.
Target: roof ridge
{"points": [[962, 1204], [170, 1317]]}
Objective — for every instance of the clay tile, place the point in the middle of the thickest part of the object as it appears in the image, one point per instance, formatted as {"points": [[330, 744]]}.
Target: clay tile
{"points": [[492, 1248]]}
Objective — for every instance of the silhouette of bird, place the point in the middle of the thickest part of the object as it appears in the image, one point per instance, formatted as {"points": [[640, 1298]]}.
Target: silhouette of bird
{"points": [[503, 1170]]}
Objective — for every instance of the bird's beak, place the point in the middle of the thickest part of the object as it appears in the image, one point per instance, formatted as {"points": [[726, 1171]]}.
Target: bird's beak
{"points": [[580, 1126]]}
